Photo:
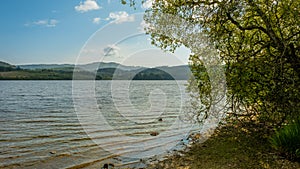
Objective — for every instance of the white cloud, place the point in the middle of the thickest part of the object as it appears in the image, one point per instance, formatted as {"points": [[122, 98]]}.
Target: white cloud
{"points": [[87, 5], [44, 22], [41, 22], [96, 20], [147, 4], [121, 16], [111, 50], [52, 23]]}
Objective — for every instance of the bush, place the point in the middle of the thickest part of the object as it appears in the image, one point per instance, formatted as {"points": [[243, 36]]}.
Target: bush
{"points": [[287, 140]]}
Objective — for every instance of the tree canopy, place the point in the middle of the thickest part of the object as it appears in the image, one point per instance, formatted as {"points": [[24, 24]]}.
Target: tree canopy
{"points": [[258, 42]]}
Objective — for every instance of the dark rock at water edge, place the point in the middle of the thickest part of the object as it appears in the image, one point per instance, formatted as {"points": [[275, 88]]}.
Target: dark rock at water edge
{"points": [[108, 166]]}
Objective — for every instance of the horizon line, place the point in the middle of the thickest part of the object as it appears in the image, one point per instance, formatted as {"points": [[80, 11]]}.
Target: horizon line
{"points": [[22, 64]]}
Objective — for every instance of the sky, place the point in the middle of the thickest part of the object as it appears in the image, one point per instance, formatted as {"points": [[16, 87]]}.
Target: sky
{"points": [[78, 32]]}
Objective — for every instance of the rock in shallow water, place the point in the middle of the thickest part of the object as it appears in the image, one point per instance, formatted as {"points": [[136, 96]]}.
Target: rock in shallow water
{"points": [[154, 133], [108, 166]]}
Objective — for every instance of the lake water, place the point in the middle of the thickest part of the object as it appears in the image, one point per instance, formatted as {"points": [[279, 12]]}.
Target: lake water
{"points": [[49, 124]]}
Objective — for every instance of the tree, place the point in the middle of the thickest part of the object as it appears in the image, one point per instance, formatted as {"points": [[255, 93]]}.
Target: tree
{"points": [[257, 40]]}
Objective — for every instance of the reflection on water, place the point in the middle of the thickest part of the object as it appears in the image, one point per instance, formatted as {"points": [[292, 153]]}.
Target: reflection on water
{"points": [[40, 129]]}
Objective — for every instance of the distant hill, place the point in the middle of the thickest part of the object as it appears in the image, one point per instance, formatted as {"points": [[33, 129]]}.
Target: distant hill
{"points": [[87, 67], [7, 67], [158, 73], [182, 72], [42, 72], [45, 74], [44, 66], [96, 70], [153, 74]]}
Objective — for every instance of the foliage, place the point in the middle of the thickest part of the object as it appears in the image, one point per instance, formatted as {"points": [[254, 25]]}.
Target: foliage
{"points": [[44, 74], [287, 140], [257, 40]]}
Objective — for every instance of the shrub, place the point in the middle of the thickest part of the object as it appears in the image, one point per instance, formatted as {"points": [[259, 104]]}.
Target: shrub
{"points": [[287, 140]]}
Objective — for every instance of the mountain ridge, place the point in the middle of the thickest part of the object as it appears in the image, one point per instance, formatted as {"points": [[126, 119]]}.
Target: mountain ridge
{"points": [[95, 70], [89, 66]]}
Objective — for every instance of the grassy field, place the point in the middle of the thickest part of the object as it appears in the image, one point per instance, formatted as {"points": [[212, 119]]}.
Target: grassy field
{"points": [[234, 146]]}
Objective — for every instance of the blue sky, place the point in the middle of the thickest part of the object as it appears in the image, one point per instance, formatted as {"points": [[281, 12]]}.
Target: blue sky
{"points": [[58, 31]]}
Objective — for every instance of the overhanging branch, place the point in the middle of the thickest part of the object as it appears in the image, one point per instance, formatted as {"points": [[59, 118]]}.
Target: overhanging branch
{"points": [[245, 28]]}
